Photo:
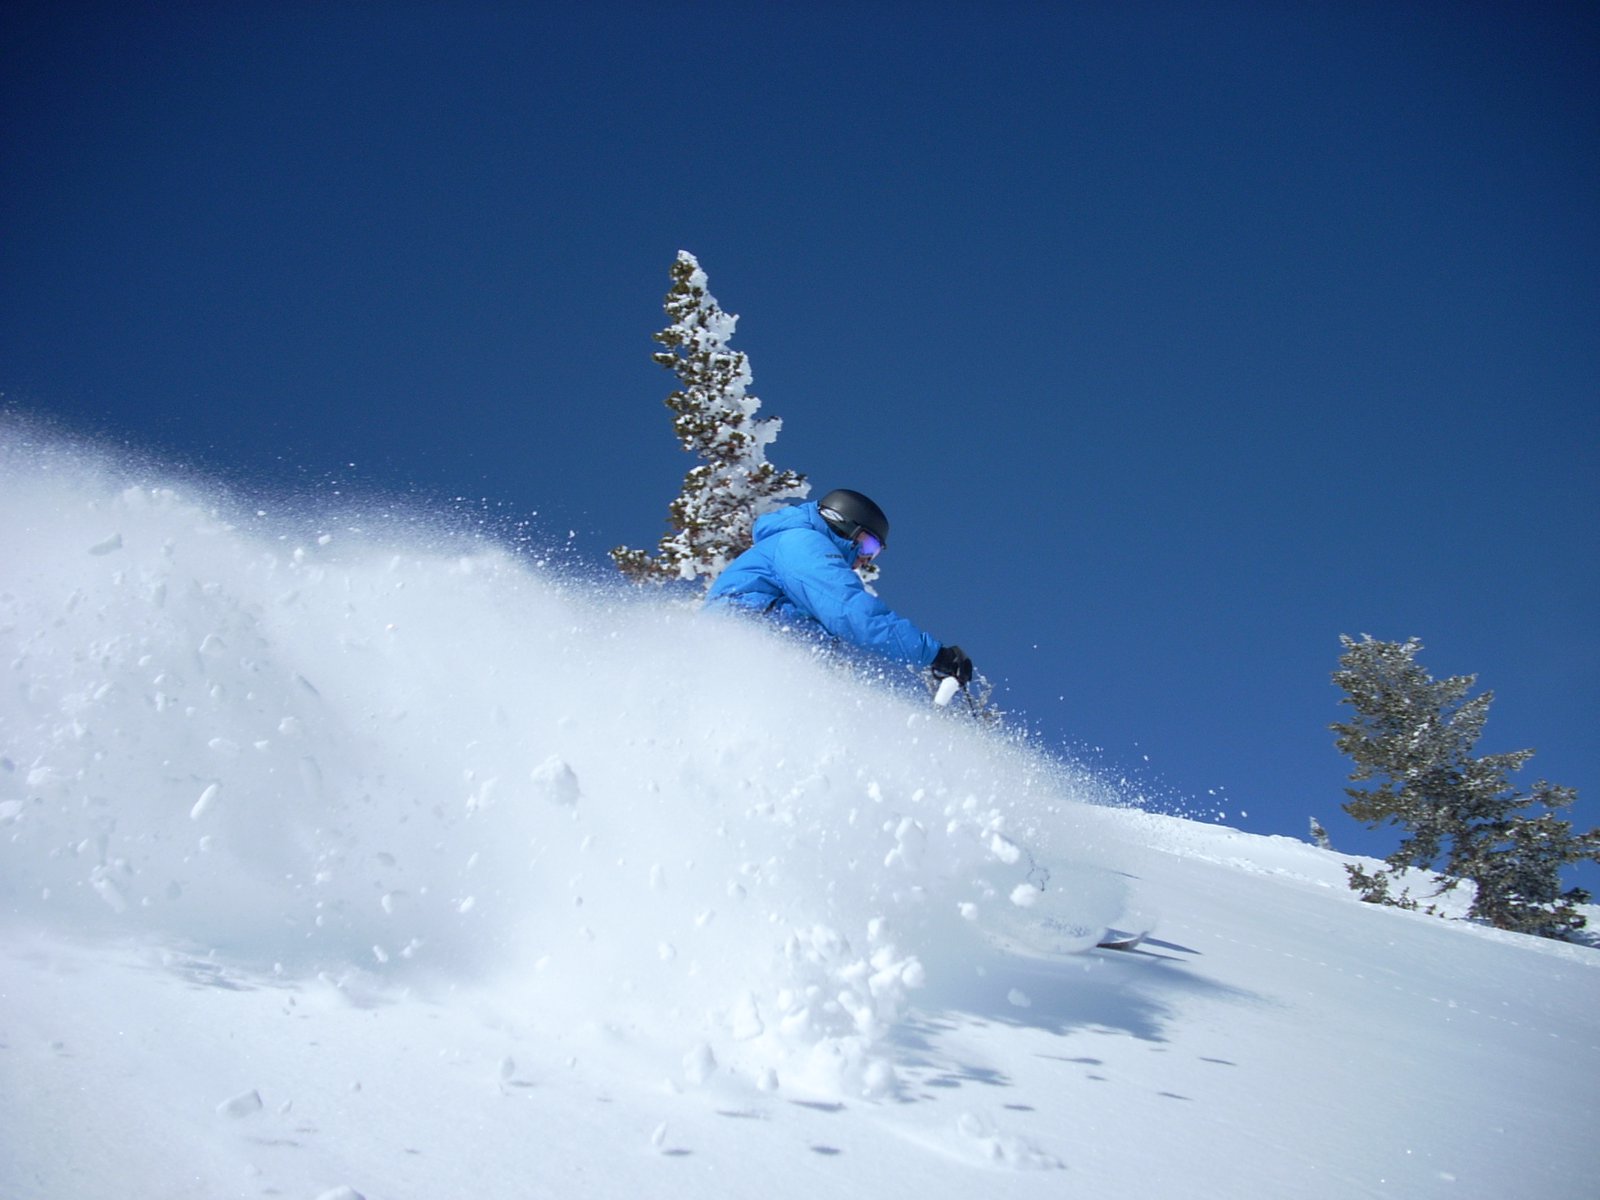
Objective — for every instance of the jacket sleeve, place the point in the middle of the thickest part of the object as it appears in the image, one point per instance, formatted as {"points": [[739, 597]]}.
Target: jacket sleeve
{"points": [[814, 574]]}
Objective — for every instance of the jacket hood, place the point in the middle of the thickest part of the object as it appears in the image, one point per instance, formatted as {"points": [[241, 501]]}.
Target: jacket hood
{"points": [[798, 516]]}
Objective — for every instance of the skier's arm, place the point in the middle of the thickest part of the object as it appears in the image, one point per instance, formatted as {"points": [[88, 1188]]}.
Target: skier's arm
{"points": [[823, 584]]}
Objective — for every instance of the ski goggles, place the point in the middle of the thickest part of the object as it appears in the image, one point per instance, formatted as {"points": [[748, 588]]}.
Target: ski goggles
{"points": [[868, 545]]}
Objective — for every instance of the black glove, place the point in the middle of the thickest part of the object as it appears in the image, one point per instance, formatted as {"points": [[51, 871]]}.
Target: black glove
{"points": [[952, 661]]}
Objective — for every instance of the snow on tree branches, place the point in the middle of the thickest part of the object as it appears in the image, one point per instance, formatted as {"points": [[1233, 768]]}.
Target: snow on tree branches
{"points": [[1460, 812], [714, 417]]}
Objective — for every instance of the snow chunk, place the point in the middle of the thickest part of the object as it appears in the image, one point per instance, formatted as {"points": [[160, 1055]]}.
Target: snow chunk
{"points": [[910, 845], [699, 1064], [556, 781], [744, 1020], [241, 1105], [201, 805], [878, 1079], [108, 889], [1004, 849], [1025, 895]]}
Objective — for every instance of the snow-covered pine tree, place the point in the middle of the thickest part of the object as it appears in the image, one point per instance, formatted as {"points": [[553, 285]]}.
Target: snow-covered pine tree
{"points": [[714, 417], [1319, 835], [1460, 812]]}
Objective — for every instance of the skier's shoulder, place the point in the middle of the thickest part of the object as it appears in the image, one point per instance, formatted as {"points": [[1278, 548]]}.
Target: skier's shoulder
{"points": [[796, 536], [791, 518]]}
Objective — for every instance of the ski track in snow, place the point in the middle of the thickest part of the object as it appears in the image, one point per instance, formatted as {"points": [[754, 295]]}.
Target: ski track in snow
{"points": [[377, 841]]}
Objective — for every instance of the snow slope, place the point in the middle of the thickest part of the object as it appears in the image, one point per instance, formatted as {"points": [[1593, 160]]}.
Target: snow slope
{"points": [[342, 857]]}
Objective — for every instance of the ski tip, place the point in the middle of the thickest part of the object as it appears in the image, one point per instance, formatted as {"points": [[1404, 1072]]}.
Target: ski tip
{"points": [[1118, 939]]}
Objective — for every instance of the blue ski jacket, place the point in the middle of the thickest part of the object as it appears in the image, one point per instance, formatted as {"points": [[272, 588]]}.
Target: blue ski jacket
{"points": [[799, 571]]}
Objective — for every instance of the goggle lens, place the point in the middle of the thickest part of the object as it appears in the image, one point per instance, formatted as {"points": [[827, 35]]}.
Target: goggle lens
{"points": [[868, 545]]}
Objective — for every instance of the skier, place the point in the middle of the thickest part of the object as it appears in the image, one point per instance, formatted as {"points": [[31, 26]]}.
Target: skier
{"points": [[801, 571]]}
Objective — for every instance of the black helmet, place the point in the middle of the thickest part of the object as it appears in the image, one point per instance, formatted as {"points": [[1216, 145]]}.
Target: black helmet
{"points": [[848, 513]]}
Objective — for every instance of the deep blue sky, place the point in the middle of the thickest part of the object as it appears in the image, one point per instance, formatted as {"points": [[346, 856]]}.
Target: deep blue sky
{"points": [[1176, 339]]}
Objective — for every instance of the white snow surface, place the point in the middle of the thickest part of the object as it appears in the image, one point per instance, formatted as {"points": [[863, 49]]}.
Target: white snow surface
{"points": [[343, 859]]}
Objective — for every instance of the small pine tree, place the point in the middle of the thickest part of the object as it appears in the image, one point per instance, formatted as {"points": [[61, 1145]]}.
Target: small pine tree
{"points": [[1460, 812], [714, 417], [1319, 835]]}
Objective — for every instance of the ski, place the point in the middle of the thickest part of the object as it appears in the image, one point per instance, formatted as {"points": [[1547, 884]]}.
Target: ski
{"points": [[1116, 939]]}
